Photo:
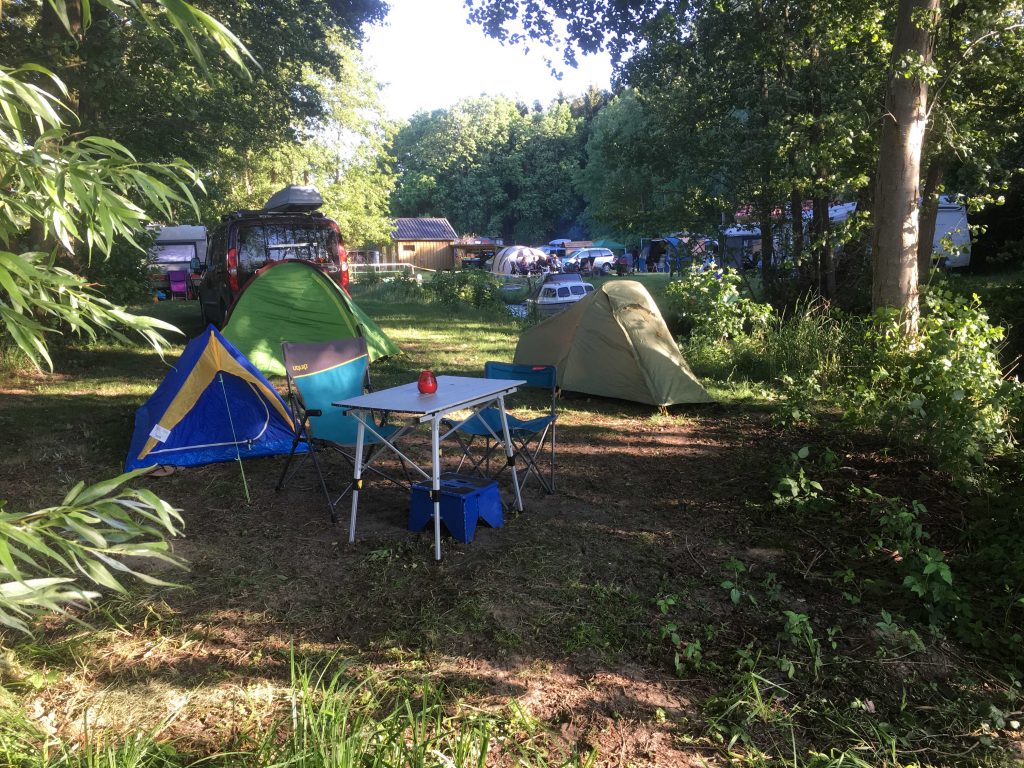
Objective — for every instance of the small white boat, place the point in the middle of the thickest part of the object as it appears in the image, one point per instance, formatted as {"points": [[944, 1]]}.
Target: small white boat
{"points": [[557, 292]]}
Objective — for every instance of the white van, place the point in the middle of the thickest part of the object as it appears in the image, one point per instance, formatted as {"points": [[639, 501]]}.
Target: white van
{"points": [[951, 247]]}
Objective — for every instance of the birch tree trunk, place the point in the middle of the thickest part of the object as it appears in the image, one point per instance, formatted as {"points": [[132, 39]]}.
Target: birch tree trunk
{"points": [[895, 238]]}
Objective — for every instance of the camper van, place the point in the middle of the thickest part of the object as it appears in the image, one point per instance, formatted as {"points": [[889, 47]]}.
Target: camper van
{"points": [[173, 251], [951, 247]]}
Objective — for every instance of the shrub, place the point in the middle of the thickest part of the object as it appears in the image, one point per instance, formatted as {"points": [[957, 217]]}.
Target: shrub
{"points": [[474, 287], [941, 391], [808, 346], [707, 303]]}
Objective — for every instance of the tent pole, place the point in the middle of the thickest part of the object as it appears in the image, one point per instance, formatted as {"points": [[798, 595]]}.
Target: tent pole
{"points": [[234, 437]]}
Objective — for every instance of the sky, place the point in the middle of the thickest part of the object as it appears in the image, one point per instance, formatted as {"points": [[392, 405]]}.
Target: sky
{"points": [[427, 57]]}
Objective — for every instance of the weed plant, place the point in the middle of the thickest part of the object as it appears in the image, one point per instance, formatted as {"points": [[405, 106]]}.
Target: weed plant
{"points": [[808, 347]]}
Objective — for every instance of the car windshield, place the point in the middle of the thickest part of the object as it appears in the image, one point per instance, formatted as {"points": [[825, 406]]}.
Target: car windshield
{"points": [[275, 241], [173, 253]]}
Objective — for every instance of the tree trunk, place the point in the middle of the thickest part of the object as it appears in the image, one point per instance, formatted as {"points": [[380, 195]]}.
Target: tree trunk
{"points": [[894, 243], [929, 212]]}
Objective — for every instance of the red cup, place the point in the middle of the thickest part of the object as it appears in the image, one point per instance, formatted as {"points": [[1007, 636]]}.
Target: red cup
{"points": [[427, 383]]}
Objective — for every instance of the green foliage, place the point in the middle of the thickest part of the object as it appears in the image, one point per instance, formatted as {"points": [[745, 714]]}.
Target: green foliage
{"points": [[35, 287], [75, 191], [474, 287], [343, 151], [708, 303], [941, 392], [686, 655], [799, 634], [491, 168], [734, 585], [123, 277], [795, 490], [51, 558], [806, 350]]}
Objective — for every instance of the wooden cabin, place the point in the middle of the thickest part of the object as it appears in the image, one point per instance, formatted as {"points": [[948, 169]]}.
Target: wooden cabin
{"points": [[425, 243]]}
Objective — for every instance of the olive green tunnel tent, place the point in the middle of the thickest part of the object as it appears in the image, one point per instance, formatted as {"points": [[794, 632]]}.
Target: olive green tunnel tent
{"points": [[295, 301], [613, 343]]}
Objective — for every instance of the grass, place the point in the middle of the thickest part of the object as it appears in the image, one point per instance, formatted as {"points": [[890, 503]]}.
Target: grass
{"points": [[543, 643]]}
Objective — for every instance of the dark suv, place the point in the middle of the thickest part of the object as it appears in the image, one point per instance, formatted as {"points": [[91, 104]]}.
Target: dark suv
{"points": [[247, 241]]}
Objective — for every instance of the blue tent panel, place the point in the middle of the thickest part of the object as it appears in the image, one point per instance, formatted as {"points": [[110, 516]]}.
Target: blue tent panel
{"points": [[213, 406]]}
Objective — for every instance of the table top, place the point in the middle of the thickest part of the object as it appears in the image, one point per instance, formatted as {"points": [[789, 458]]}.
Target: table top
{"points": [[453, 393]]}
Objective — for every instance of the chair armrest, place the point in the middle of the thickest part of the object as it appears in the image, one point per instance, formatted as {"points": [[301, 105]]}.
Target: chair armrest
{"points": [[313, 412]]}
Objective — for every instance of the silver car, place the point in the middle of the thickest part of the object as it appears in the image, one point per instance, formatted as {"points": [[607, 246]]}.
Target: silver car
{"points": [[580, 261]]}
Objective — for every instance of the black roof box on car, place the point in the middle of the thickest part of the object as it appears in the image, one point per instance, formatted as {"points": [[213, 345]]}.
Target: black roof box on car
{"points": [[294, 199]]}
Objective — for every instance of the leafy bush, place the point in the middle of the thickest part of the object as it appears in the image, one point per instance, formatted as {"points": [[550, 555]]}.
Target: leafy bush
{"points": [[942, 391], [807, 348], [707, 303], [401, 287], [474, 287]]}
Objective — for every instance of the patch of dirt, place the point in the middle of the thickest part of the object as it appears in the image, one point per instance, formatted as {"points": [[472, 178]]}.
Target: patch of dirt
{"points": [[555, 611]]}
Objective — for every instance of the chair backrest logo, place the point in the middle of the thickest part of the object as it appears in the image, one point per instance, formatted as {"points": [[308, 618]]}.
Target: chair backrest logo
{"points": [[303, 367]]}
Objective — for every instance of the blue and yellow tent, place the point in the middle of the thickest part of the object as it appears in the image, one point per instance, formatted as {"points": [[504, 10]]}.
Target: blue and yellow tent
{"points": [[213, 406]]}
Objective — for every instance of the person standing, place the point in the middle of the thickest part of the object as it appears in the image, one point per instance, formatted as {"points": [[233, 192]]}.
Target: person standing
{"points": [[634, 259]]}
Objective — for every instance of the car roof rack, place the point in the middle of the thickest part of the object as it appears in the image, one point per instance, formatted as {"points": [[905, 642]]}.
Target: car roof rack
{"points": [[264, 214]]}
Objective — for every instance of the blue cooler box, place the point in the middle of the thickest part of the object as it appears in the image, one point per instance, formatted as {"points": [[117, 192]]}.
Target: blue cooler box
{"points": [[464, 500]]}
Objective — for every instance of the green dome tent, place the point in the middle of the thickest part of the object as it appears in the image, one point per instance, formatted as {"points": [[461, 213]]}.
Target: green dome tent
{"points": [[295, 301], [613, 343]]}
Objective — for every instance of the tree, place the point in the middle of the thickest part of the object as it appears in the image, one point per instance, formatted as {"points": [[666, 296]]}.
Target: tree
{"points": [[78, 190], [344, 153], [973, 115], [491, 168], [781, 88], [748, 107], [894, 243]]}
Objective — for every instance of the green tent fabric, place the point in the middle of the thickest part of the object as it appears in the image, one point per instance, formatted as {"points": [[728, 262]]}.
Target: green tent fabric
{"points": [[295, 301], [613, 245], [613, 343]]}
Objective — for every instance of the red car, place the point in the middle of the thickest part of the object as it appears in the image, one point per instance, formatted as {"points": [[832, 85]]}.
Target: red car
{"points": [[247, 241]]}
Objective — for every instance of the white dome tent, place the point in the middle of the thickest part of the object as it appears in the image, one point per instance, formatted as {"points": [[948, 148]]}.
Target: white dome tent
{"points": [[516, 259]]}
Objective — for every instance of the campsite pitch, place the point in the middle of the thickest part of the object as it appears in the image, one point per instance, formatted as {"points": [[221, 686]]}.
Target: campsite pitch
{"points": [[559, 629]]}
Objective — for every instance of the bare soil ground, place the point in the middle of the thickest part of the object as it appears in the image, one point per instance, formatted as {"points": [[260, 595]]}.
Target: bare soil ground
{"points": [[555, 613]]}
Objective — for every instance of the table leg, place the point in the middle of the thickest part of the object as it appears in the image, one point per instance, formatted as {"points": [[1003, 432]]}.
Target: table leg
{"points": [[357, 474], [510, 453], [435, 482]]}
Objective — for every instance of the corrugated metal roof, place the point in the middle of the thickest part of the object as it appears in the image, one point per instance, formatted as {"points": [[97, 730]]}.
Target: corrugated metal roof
{"points": [[423, 229]]}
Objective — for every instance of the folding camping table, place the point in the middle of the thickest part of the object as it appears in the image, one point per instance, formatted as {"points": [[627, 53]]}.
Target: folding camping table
{"points": [[454, 393]]}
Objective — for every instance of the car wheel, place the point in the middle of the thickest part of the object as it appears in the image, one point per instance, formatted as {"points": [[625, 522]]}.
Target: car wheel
{"points": [[606, 270]]}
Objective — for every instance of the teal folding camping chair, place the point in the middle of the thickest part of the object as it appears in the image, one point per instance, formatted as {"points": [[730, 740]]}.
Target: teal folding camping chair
{"points": [[318, 374], [531, 438]]}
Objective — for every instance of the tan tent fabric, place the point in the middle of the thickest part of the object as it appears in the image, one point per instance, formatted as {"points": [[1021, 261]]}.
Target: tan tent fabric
{"points": [[613, 343]]}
